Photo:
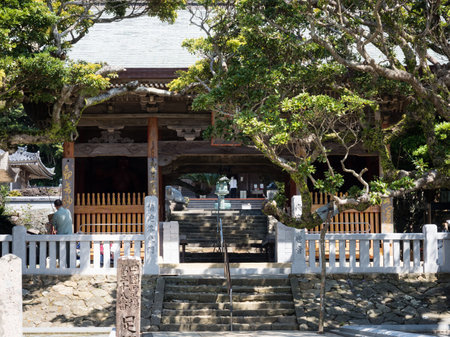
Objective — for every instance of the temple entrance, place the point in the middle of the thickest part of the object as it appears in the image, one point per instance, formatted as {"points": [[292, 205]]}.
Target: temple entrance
{"points": [[246, 230], [109, 194], [111, 175]]}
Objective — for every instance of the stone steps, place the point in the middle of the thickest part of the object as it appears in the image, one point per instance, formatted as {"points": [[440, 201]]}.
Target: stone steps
{"points": [[223, 288], [212, 221], [218, 257], [226, 327], [236, 204], [247, 235], [244, 231], [239, 319], [280, 305], [202, 304], [226, 218], [201, 227], [212, 217], [241, 281], [211, 297], [237, 269], [226, 312]]}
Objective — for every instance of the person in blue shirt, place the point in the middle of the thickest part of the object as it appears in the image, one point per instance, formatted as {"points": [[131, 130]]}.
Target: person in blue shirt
{"points": [[62, 224], [62, 219]]}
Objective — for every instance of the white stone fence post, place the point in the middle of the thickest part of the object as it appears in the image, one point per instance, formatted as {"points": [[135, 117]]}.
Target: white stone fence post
{"points": [[19, 243], [171, 242], [430, 249], [444, 252], [284, 243]]}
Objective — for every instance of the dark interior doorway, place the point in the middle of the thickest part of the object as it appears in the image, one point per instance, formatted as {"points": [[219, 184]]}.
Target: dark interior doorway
{"points": [[111, 175]]}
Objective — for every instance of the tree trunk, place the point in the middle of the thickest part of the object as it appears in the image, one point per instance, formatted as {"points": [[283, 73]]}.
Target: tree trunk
{"points": [[323, 274]]}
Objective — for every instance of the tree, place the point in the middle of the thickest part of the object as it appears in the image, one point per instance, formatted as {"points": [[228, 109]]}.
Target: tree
{"points": [[295, 80], [35, 73], [266, 79]]}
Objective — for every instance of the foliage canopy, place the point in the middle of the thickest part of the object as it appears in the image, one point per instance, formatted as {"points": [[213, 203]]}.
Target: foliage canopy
{"points": [[303, 79], [35, 36]]}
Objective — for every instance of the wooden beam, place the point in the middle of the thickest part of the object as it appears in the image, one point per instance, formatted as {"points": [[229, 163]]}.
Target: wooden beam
{"points": [[68, 150], [165, 149], [93, 116], [152, 137], [111, 150], [171, 150], [152, 157]]}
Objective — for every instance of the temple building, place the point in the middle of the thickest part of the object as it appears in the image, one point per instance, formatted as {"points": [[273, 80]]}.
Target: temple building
{"points": [[23, 166], [138, 144]]}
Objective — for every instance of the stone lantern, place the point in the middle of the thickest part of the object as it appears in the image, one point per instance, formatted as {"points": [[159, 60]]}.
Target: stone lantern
{"points": [[221, 192], [272, 191]]}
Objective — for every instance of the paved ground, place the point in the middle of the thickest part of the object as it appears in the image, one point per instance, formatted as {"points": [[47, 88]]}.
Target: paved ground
{"points": [[238, 334]]}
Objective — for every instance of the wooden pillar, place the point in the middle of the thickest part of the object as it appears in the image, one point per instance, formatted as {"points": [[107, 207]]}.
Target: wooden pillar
{"points": [[162, 196], [68, 177], [152, 156]]}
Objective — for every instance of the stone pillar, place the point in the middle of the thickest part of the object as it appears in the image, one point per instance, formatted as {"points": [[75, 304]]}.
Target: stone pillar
{"points": [[18, 244], [296, 206], [445, 266], [68, 178], [430, 249], [128, 305], [151, 266], [387, 216], [171, 242], [284, 243], [11, 296], [298, 254]]}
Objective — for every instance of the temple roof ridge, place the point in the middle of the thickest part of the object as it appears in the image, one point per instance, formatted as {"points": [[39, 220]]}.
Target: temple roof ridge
{"points": [[31, 162]]}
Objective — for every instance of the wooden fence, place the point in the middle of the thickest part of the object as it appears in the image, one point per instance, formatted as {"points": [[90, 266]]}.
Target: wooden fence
{"points": [[109, 212], [350, 221], [124, 213]]}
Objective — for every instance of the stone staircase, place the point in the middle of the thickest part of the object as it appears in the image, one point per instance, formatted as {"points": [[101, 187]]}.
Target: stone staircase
{"points": [[254, 204], [244, 232], [202, 304]]}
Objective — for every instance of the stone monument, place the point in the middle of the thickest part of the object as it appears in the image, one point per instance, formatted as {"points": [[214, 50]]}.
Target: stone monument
{"points": [[151, 266], [128, 306], [11, 296]]}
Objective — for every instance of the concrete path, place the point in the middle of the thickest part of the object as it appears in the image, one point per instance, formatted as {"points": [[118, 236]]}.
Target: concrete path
{"points": [[238, 334]]}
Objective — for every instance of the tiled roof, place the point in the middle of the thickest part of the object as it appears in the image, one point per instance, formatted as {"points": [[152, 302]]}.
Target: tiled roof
{"points": [[141, 42], [32, 163]]}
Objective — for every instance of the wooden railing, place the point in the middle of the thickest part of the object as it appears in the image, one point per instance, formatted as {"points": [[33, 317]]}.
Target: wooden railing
{"points": [[109, 212], [350, 221]]}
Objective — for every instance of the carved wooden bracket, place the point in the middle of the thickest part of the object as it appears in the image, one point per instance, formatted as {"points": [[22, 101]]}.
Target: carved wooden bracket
{"points": [[111, 136], [118, 149], [188, 133], [150, 103]]}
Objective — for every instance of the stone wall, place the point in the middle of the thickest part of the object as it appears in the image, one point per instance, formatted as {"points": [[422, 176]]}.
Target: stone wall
{"points": [[79, 301], [375, 299], [357, 299], [31, 212]]}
